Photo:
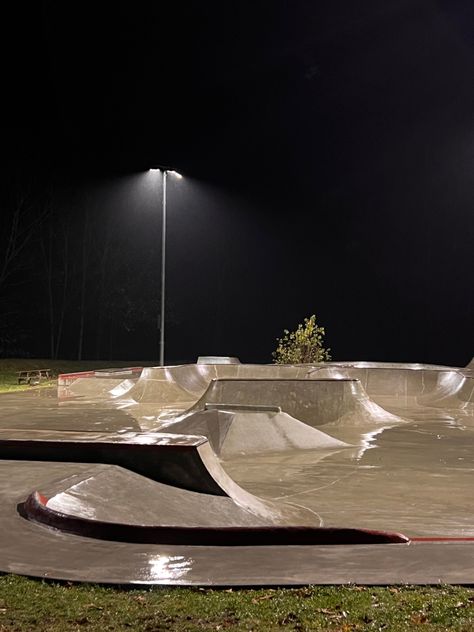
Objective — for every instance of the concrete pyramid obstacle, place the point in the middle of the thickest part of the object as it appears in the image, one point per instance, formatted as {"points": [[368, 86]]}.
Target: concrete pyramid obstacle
{"points": [[232, 431]]}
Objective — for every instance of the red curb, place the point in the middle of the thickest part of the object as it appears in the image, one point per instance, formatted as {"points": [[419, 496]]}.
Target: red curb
{"points": [[98, 372], [76, 375], [35, 509], [442, 539]]}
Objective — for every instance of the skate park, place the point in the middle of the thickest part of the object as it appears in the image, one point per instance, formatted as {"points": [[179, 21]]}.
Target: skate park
{"points": [[221, 473]]}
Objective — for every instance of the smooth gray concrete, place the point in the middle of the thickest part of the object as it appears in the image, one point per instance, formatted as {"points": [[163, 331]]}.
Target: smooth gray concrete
{"points": [[31, 549], [415, 478], [232, 432], [352, 445], [406, 387], [315, 402], [116, 495]]}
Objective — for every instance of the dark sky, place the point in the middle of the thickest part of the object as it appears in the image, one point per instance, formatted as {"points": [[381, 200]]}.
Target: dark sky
{"points": [[327, 148]]}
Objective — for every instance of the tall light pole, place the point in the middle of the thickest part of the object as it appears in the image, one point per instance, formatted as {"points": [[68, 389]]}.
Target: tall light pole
{"points": [[164, 171]]}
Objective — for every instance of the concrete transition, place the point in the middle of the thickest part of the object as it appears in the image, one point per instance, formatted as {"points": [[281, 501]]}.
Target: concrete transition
{"points": [[222, 473]]}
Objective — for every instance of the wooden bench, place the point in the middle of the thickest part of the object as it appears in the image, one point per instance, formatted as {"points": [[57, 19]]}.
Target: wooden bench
{"points": [[34, 376]]}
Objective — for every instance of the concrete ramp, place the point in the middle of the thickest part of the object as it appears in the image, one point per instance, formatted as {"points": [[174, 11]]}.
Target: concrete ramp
{"points": [[218, 360], [458, 394], [390, 385], [181, 460], [315, 402], [400, 386], [90, 387], [159, 387], [111, 494], [173, 387], [96, 384], [177, 385], [110, 503], [184, 462], [232, 432], [122, 389]]}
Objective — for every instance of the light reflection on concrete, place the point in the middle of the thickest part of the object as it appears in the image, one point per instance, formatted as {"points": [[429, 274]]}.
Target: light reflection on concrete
{"points": [[68, 504], [161, 568]]}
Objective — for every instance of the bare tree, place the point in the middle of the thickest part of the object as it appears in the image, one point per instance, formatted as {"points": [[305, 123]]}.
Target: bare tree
{"points": [[85, 247], [17, 229], [104, 262], [21, 215], [54, 244]]}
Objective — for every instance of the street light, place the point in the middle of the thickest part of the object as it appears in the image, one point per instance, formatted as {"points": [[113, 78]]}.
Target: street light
{"points": [[165, 171]]}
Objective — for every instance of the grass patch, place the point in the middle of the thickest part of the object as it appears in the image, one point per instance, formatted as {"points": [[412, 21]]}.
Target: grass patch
{"points": [[27, 604], [9, 368]]}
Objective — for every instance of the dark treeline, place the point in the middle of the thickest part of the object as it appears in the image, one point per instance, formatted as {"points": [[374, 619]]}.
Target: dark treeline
{"points": [[80, 266], [73, 283]]}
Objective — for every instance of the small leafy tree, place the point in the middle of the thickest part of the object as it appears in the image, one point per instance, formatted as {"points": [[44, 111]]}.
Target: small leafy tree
{"points": [[302, 346]]}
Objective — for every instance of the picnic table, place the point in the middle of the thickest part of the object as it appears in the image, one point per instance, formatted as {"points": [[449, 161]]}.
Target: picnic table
{"points": [[33, 376]]}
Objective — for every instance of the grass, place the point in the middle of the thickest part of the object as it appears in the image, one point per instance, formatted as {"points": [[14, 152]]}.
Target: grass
{"points": [[9, 370], [30, 605]]}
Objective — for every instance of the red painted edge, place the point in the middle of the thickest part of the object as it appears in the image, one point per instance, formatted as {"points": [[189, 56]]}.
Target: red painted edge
{"points": [[35, 509], [120, 369], [132, 369], [42, 500], [442, 539], [76, 375]]}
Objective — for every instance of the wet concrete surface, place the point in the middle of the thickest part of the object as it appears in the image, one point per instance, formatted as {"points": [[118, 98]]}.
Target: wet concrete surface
{"points": [[416, 479], [406, 467], [31, 549], [39, 409]]}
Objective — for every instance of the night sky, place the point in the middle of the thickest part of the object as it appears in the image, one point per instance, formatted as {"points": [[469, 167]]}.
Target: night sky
{"points": [[327, 150]]}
